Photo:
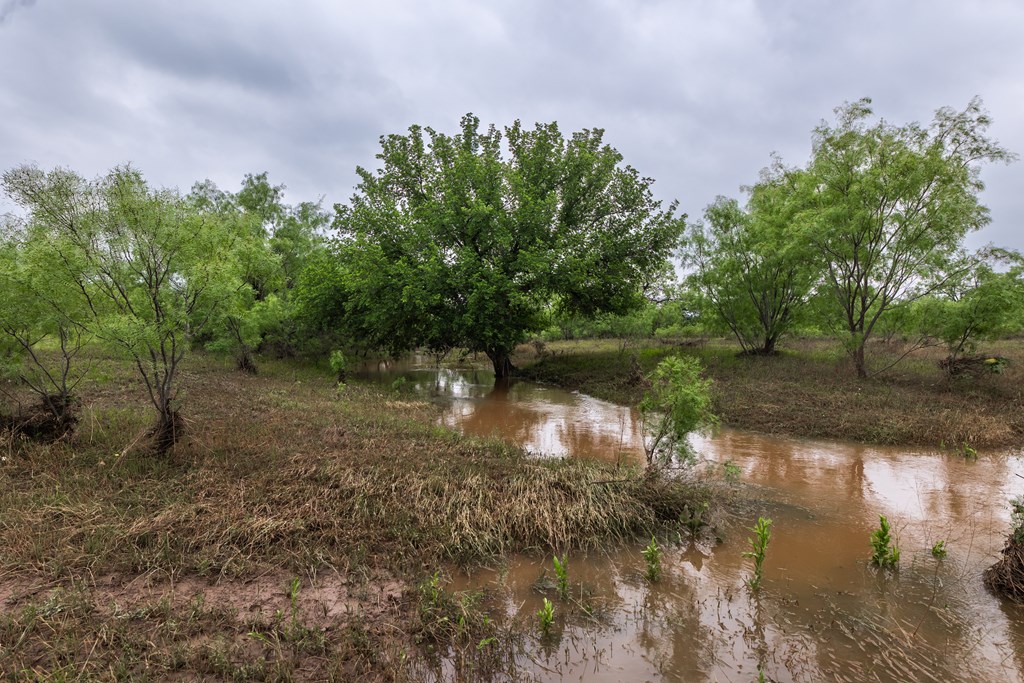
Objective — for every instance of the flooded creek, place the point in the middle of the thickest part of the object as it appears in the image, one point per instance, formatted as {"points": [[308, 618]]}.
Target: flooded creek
{"points": [[822, 613]]}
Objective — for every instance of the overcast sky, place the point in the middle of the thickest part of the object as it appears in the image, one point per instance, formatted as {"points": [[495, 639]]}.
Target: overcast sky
{"points": [[696, 94]]}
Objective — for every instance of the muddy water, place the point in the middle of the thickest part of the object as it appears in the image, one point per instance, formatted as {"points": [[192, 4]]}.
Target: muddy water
{"points": [[822, 612]]}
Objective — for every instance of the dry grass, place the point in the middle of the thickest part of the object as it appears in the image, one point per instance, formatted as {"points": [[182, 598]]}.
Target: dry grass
{"points": [[810, 390], [281, 474]]}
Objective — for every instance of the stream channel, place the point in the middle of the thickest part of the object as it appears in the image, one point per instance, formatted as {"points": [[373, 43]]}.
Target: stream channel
{"points": [[822, 612]]}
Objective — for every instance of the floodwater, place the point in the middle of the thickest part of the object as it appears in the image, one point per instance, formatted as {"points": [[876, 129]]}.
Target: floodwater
{"points": [[822, 612]]}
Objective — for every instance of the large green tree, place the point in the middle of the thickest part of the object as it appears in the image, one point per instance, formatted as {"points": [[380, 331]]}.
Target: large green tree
{"points": [[468, 239], [751, 264], [891, 207]]}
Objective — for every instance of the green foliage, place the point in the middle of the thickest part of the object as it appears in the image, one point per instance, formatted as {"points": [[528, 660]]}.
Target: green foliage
{"points": [[884, 553], [980, 303], [889, 207], [339, 364], [939, 550], [546, 617], [752, 266], [652, 555], [562, 576], [470, 240], [1017, 518], [732, 470], [140, 269], [677, 402], [758, 546]]}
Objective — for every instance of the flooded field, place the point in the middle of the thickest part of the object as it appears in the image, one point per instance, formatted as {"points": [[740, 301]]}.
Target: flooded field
{"points": [[822, 612]]}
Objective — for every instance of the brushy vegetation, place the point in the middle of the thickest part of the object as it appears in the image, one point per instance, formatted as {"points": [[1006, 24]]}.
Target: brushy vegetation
{"points": [[805, 390], [282, 474], [1006, 577]]}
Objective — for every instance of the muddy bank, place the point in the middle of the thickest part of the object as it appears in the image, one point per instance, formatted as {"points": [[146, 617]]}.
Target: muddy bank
{"points": [[809, 391]]}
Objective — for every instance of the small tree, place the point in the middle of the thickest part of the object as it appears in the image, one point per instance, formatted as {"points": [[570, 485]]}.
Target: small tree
{"points": [[890, 208], [983, 303], [752, 266], [33, 310], [142, 263], [677, 402]]}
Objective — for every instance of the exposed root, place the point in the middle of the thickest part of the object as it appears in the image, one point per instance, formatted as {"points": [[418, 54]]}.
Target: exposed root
{"points": [[1006, 577], [44, 421]]}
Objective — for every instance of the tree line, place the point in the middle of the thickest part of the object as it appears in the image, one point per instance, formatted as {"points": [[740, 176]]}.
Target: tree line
{"points": [[483, 238]]}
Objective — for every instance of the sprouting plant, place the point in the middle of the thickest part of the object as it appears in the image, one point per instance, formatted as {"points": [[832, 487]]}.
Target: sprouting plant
{"points": [[884, 551], [546, 617], [758, 545], [293, 598], [652, 553], [732, 470], [562, 575], [693, 517], [968, 452], [939, 550]]}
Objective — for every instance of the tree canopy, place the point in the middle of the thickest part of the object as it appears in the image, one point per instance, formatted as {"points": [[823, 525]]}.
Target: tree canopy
{"points": [[890, 207], [469, 239]]}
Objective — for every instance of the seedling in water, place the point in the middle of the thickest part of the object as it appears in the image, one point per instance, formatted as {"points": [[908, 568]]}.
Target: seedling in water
{"points": [[939, 550], [884, 551], [652, 553], [758, 546], [546, 617], [562, 576]]}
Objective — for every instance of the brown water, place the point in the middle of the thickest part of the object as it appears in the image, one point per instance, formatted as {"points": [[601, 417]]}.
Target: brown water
{"points": [[822, 612]]}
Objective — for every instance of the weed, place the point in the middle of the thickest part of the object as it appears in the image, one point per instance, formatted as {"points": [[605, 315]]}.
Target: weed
{"points": [[939, 550], [562, 576], [732, 471], [968, 452], [546, 617], [652, 553], [758, 546], [693, 516], [884, 554]]}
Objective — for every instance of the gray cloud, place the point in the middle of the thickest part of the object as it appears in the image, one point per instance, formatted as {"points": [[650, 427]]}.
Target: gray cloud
{"points": [[9, 7], [695, 94]]}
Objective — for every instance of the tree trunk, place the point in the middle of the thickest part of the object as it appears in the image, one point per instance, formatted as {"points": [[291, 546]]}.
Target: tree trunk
{"points": [[502, 364], [858, 360]]}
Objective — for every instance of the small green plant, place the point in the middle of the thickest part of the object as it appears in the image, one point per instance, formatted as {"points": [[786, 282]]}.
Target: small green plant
{"points": [[693, 518], [677, 402], [939, 550], [562, 576], [968, 452], [399, 384], [339, 365], [652, 553], [1017, 518], [884, 554], [732, 470], [546, 617], [758, 546]]}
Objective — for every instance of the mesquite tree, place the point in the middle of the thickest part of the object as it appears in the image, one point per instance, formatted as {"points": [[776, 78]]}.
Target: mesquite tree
{"points": [[890, 208], [144, 266]]}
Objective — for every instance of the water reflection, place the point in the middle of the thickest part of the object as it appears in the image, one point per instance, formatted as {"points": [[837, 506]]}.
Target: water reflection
{"points": [[823, 613]]}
